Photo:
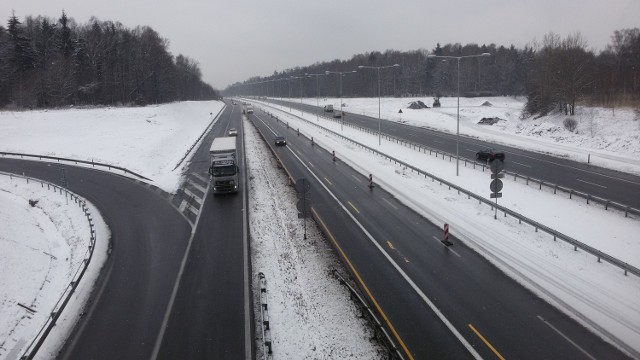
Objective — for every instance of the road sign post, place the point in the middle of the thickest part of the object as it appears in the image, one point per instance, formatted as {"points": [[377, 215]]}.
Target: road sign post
{"points": [[496, 166], [445, 239], [303, 204]]}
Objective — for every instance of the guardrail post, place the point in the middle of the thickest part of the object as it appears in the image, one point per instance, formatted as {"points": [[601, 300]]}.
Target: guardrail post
{"points": [[570, 193], [588, 197]]}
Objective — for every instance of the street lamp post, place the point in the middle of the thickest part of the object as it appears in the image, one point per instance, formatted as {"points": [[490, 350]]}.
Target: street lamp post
{"points": [[317, 92], [300, 78], [378, 71], [458, 114], [340, 74]]}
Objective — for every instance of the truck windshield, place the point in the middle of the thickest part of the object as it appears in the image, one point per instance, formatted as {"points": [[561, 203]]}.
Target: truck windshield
{"points": [[226, 170]]}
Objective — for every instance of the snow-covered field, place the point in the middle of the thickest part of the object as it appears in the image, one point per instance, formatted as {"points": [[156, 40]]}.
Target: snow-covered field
{"points": [[610, 136], [148, 140], [152, 140], [42, 247]]}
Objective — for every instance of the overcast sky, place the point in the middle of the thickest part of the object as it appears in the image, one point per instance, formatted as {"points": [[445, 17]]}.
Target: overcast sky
{"points": [[236, 39]]}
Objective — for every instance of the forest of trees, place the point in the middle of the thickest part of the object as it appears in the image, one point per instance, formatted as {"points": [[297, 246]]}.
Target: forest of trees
{"points": [[48, 63], [554, 74]]}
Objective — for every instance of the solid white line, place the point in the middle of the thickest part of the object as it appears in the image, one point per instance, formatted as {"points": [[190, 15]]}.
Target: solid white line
{"points": [[357, 178], [390, 204], [590, 183], [413, 285], [566, 338], [517, 163]]}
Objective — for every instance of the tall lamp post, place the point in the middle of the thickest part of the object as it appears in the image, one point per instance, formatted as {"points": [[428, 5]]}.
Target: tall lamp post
{"points": [[340, 75], [317, 91], [378, 70], [299, 78], [458, 116]]}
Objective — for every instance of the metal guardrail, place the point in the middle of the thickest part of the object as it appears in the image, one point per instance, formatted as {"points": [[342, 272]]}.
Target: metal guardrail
{"points": [[267, 351], [556, 234], [548, 185], [54, 315], [206, 130], [76, 161], [394, 351]]}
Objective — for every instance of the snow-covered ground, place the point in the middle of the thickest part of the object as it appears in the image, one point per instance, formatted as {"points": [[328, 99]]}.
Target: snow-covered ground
{"points": [[610, 136], [573, 281], [42, 247], [152, 140], [148, 140]]}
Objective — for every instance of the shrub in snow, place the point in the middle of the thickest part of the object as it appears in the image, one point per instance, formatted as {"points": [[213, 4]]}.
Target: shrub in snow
{"points": [[33, 203], [570, 124], [436, 101]]}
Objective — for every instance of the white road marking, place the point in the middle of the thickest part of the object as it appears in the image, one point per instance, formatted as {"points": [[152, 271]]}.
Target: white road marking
{"points": [[521, 164], [357, 178], [594, 184], [390, 204], [566, 338]]}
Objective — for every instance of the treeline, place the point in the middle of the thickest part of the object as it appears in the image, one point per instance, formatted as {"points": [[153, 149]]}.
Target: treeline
{"points": [[47, 63], [554, 74]]}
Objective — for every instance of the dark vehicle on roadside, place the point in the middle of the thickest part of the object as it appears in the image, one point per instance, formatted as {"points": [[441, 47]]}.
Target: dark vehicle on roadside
{"points": [[328, 108], [489, 154], [280, 141]]}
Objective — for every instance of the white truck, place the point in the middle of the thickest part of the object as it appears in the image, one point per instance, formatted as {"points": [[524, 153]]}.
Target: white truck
{"points": [[224, 167]]}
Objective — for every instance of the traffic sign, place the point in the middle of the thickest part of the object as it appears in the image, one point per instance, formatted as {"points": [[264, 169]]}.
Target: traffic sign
{"points": [[495, 195], [496, 165], [495, 186]]}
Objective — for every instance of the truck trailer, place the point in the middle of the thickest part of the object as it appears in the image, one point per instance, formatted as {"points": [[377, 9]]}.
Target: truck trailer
{"points": [[224, 166]]}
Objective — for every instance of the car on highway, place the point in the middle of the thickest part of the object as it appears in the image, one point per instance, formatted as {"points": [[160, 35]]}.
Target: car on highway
{"points": [[489, 154], [338, 114], [280, 141], [233, 132], [328, 108]]}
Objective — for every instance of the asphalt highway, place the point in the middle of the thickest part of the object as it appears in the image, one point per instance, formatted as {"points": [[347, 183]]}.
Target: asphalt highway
{"points": [[211, 317], [437, 302], [609, 184], [123, 317]]}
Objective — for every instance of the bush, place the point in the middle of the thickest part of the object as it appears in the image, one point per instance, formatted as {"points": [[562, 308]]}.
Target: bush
{"points": [[570, 124]]}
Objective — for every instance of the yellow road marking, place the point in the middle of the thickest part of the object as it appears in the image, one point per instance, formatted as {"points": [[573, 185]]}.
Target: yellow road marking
{"points": [[364, 286], [327, 180], [354, 207], [390, 245], [486, 342]]}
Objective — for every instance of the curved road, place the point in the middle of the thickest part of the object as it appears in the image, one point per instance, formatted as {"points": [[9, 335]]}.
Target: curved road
{"points": [[133, 289]]}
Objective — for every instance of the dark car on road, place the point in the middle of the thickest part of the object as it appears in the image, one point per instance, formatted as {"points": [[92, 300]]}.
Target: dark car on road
{"points": [[280, 141], [489, 154]]}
